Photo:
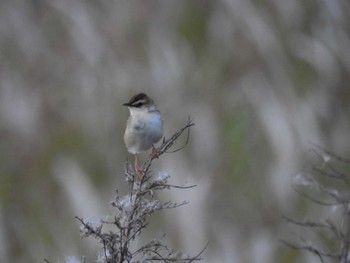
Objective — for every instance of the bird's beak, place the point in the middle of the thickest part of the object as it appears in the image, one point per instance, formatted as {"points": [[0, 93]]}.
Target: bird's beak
{"points": [[126, 104]]}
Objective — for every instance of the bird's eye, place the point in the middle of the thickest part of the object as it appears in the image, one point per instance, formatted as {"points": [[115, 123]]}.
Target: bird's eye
{"points": [[138, 105]]}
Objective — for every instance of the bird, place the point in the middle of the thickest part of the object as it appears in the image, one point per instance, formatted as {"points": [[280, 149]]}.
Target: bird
{"points": [[144, 127]]}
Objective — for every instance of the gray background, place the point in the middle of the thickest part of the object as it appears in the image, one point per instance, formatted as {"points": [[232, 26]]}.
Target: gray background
{"points": [[262, 80]]}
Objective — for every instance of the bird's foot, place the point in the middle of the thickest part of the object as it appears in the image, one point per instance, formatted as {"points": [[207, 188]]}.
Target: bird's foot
{"points": [[154, 152], [139, 171]]}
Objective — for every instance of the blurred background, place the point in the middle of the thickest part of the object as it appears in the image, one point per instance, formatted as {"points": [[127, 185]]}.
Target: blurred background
{"points": [[262, 80]]}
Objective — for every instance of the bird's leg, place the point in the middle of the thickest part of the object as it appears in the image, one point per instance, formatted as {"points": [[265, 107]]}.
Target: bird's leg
{"points": [[138, 169], [154, 152]]}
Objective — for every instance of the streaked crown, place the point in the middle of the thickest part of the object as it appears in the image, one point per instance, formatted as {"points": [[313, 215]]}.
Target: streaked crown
{"points": [[140, 100]]}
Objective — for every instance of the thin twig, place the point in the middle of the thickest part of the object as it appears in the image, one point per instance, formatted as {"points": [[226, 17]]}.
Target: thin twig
{"points": [[313, 199], [134, 208], [197, 257], [340, 234], [335, 156], [308, 248], [189, 122]]}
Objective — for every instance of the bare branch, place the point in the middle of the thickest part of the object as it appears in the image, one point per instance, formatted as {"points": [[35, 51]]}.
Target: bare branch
{"points": [[313, 199], [340, 233], [197, 257], [333, 174], [310, 248], [132, 211], [168, 143], [189, 123], [331, 154]]}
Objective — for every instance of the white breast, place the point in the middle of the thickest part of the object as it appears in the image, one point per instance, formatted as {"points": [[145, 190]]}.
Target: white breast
{"points": [[143, 130]]}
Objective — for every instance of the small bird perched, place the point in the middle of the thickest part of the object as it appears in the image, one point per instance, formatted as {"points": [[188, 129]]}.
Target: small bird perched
{"points": [[144, 127]]}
